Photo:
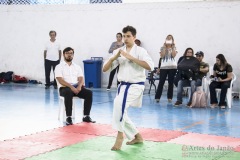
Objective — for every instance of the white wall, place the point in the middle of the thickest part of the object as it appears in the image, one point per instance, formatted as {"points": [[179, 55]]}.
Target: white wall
{"points": [[213, 27]]}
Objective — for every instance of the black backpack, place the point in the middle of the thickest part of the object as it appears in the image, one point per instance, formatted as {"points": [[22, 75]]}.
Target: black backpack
{"points": [[2, 74], [8, 76], [188, 67]]}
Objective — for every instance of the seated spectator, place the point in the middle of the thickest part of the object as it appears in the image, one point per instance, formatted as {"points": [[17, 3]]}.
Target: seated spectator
{"points": [[70, 77], [194, 83], [222, 75], [184, 81], [204, 68]]}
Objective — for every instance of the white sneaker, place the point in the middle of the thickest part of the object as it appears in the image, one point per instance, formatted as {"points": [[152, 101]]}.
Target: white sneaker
{"points": [[223, 107], [213, 105]]}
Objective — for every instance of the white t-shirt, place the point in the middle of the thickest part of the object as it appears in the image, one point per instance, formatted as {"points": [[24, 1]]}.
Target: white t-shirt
{"points": [[52, 49], [69, 73]]}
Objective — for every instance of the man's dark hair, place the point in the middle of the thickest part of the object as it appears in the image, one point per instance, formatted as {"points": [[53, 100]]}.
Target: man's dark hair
{"points": [[130, 29], [53, 32], [119, 34], [68, 49]]}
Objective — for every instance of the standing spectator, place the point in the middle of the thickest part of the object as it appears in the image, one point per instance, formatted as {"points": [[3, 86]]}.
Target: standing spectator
{"points": [[133, 60], [115, 45], [223, 73], [70, 78], [168, 67], [52, 57]]}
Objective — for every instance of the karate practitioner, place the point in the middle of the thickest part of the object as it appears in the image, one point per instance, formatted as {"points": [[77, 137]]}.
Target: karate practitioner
{"points": [[133, 61]]}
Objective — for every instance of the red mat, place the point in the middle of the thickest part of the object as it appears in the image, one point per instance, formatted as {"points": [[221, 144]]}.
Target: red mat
{"points": [[158, 135], [237, 149], [57, 138], [17, 149], [43, 142], [204, 140], [89, 128]]}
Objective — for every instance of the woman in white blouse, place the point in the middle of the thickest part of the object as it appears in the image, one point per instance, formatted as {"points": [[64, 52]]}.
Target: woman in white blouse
{"points": [[167, 68]]}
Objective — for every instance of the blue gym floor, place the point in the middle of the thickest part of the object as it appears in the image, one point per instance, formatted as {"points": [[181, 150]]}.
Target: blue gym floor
{"points": [[28, 108]]}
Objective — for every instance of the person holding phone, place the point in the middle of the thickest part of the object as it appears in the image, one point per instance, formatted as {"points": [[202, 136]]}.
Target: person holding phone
{"points": [[168, 67]]}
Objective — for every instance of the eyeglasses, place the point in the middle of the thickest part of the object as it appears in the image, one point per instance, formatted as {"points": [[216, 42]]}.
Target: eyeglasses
{"points": [[69, 53]]}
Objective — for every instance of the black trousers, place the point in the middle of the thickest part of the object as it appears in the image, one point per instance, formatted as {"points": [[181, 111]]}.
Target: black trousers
{"points": [[164, 73], [48, 67], [224, 87], [111, 76], [68, 95]]}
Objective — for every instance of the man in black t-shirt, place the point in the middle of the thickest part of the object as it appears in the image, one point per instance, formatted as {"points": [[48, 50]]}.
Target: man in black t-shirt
{"points": [[204, 68]]}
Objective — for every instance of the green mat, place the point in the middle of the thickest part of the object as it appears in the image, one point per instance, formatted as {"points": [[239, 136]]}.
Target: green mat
{"points": [[100, 149]]}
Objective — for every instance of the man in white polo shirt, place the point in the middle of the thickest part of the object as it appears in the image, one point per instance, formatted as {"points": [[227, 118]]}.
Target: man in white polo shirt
{"points": [[70, 78], [52, 57]]}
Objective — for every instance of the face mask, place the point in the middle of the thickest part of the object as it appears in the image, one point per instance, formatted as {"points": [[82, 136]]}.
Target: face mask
{"points": [[168, 42]]}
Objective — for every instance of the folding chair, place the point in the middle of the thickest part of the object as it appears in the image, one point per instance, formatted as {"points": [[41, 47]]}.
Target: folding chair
{"points": [[151, 79]]}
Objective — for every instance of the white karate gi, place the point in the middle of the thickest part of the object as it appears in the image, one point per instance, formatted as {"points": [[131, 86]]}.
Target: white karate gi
{"points": [[132, 73]]}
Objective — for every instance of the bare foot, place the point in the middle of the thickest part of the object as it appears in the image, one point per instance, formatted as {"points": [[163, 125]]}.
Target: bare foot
{"points": [[135, 141], [138, 139], [118, 142]]}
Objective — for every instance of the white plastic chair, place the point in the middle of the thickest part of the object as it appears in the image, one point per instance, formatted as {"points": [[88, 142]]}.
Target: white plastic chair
{"points": [[229, 92], [62, 108], [203, 87], [211, 70], [206, 83]]}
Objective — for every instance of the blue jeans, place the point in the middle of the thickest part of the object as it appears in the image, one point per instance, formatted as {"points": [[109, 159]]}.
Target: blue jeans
{"points": [[187, 83]]}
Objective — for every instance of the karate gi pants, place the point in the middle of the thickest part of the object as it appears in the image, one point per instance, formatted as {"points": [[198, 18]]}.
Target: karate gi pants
{"points": [[134, 99]]}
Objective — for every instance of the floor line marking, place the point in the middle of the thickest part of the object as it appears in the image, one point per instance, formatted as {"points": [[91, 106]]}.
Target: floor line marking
{"points": [[199, 122]]}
